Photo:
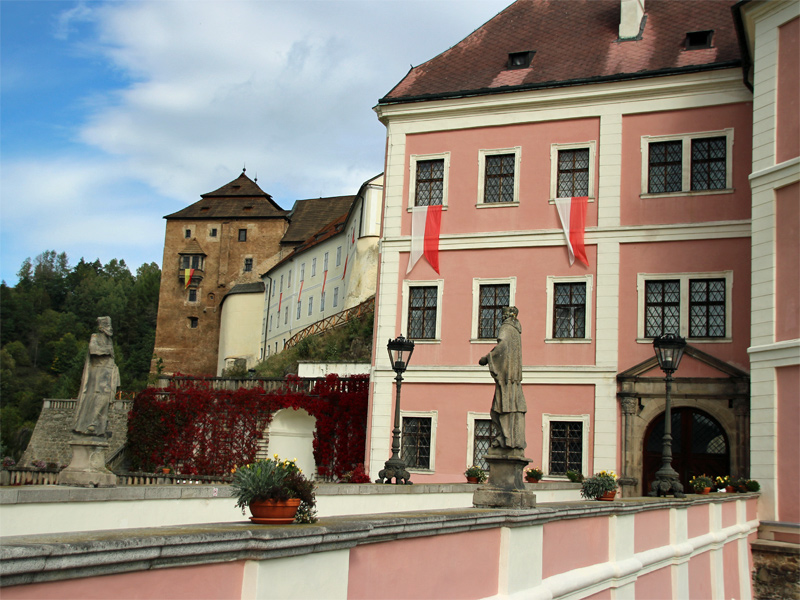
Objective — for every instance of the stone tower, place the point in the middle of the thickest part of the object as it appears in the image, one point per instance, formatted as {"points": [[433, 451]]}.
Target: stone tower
{"points": [[227, 237]]}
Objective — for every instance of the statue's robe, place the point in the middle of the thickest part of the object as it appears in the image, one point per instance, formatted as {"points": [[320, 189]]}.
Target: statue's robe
{"points": [[508, 407]]}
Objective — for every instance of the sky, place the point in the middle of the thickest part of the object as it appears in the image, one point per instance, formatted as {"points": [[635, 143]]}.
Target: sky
{"points": [[114, 114]]}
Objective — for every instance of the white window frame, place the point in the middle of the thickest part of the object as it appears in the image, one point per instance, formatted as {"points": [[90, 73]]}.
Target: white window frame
{"points": [[482, 154], [554, 149], [547, 418], [310, 305], [313, 267], [299, 309], [684, 278], [335, 296], [551, 288], [412, 176], [471, 418], [289, 279], [434, 417], [439, 283], [338, 256], [686, 163], [325, 262], [302, 271], [322, 301], [476, 303]]}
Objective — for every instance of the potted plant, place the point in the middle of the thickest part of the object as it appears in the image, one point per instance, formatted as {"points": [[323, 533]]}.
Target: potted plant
{"points": [[274, 490], [746, 485], [575, 476], [724, 483], [475, 474], [533, 475], [601, 486], [701, 484]]}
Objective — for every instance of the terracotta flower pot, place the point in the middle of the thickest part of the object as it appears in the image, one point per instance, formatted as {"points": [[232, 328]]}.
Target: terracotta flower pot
{"points": [[472, 480], [702, 490], [530, 479], [274, 512], [608, 496], [729, 489]]}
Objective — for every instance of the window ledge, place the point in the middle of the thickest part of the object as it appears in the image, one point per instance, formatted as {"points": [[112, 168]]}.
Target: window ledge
{"points": [[483, 340], [688, 193], [553, 200], [420, 471], [725, 340], [496, 204], [568, 340], [426, 341], [411, 208]]}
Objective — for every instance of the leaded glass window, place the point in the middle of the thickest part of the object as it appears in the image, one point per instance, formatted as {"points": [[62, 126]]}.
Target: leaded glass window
{"points": [[566, 447], [707, 308], [709, 163], [499, 180], [665, 163], [662, 307], [415, 448], [569, 310], [493, 299], [430, 182], [482, 442], [422, 312], [573, 173]]}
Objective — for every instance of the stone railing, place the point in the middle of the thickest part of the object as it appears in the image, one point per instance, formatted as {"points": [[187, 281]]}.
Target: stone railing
{"points": [[301, 384], [33, 476], [28, 476]]}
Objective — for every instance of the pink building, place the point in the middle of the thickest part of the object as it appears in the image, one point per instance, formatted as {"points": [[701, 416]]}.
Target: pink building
{"points": [[647, 110]]}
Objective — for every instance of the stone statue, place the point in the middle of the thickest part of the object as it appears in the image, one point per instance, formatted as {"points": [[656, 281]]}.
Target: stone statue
{"points": [[505, 364], [90, 431], [99, 383]]}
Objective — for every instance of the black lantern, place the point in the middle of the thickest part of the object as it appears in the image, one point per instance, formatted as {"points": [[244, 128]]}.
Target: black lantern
{"points": [[400, 351], [669, 351]]}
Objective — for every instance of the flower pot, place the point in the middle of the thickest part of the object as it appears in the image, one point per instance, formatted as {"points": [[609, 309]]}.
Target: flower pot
{"points": [[274, 512], [532, 479], [608, 496], [472, 480], [729, 489], [702, 490]]}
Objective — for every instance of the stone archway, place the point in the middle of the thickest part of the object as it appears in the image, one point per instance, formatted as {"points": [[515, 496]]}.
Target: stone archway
{"points": [[699, 446], [726, 399], [291, 435]]}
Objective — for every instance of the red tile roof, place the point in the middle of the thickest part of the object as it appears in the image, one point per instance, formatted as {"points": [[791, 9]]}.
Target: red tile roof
{"points": [[576, 42]]}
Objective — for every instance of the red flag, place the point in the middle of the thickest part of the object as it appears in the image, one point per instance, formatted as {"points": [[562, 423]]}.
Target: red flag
{"points": [[280, 299], [426, 223], [188, 276], [572, 212], [324, 279], [300, 293], [345, 265]]}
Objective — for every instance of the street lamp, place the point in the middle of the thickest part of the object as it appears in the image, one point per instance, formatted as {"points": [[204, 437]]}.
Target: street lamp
{"points": [[669, 351], [400, 351]]}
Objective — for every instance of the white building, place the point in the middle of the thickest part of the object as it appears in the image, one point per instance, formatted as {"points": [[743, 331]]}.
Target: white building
{"points": [[333, 270]]}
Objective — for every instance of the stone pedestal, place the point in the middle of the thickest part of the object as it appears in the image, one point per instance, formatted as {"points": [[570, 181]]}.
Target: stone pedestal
{"points": [[88, 465], [506, 487]]}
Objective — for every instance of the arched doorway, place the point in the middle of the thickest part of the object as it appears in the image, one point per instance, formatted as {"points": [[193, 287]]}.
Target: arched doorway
{"points": [[699, 445]]}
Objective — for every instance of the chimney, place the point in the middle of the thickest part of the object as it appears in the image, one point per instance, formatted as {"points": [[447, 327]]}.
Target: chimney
{"points": [[631, 13]]}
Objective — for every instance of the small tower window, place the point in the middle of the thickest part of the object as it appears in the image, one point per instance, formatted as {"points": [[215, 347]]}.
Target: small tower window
{"points": [[243, 235], [213, 232], [193, 322], [520, 60], [697, 40], [187, 234], [248, 264]]}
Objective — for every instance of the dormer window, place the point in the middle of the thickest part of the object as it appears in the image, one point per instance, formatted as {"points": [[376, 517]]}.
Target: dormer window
{"points": [[697, 40], [520, 60]]}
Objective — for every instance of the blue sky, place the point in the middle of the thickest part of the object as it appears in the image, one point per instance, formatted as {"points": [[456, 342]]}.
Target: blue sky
{"points": [[114, 114]]}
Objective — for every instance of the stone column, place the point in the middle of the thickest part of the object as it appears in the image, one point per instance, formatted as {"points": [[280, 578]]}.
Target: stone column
{"points": [[627, 479]]}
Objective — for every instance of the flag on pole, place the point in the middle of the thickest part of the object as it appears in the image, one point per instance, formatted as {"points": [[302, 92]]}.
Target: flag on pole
{"points": [[324, 279], [280, 300], [187, 275], [300, 293], [426, 223], [572, 212]]}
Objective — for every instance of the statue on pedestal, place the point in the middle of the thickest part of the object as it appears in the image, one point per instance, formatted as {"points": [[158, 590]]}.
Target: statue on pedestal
{"points": [[90, 429], [506, 458]]}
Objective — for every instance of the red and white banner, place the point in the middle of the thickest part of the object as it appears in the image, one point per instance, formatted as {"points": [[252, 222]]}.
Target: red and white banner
{"points": [[187, 275], [572, 212], [426, 223]]}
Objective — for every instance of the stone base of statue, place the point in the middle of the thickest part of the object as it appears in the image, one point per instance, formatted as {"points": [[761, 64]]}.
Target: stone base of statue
{"points": [[506, 488], [88, 465]]}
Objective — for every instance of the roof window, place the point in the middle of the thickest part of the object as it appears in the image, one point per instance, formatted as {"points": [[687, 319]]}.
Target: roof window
{"points": [[520, 60], [697, 40]]}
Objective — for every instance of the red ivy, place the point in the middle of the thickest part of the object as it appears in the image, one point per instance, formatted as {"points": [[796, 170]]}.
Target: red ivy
{"points": [[201, 431]]}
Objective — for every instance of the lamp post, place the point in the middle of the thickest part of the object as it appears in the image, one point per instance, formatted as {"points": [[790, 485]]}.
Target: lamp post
{"points": [[400, 350], [669, 351]]}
